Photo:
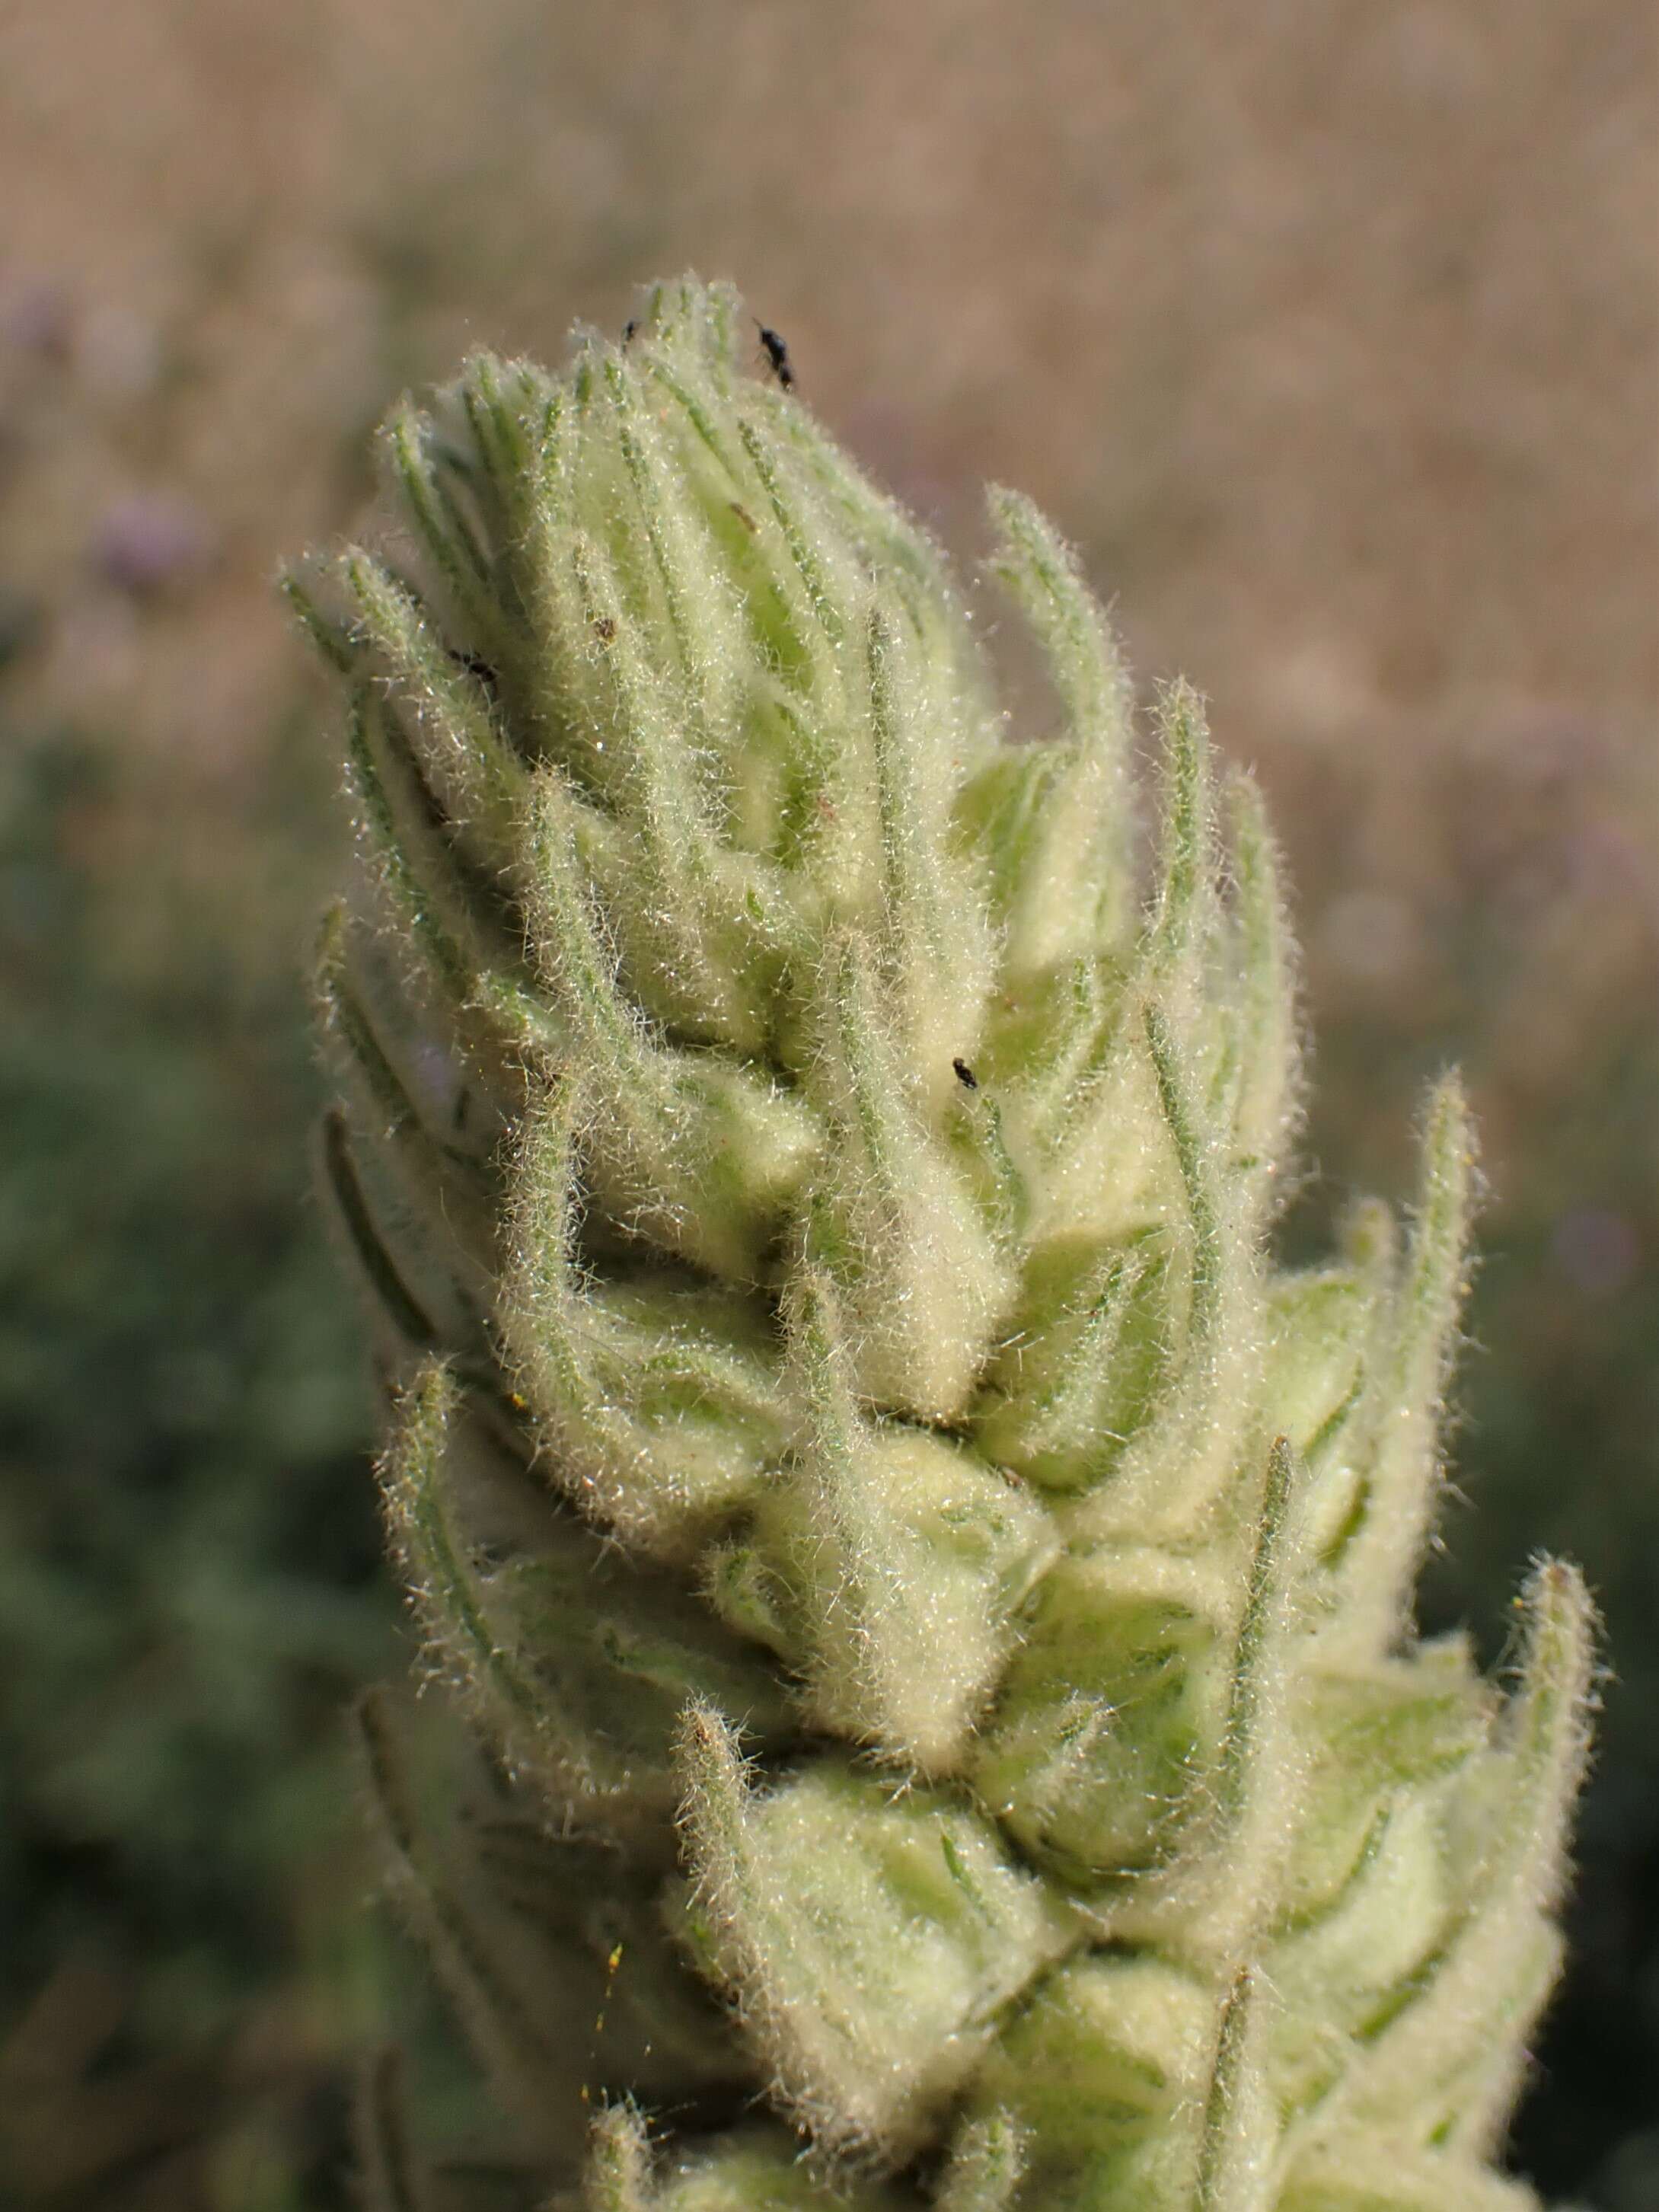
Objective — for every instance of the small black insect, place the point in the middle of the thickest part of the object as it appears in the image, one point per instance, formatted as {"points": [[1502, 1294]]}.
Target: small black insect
{"points": [[965, 1075], [778, 354], [477, 666], [629, 328]]}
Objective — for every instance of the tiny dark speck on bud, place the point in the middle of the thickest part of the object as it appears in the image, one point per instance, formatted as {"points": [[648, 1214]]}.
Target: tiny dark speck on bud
{"points": [[965, 1075]]}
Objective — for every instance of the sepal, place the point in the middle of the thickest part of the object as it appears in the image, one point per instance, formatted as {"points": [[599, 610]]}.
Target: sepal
{"points": [[1372, 1734], [618, 2177], [1320, 1326], [985, 2166], [1388, 1462], [1372, 2171], [916, 1266], [886, 1565], [758, 2169], [404, 1324], [703, 1154], [435, 486], [478, 1956], [1431, 2051], [446, 714], [1056, 822], [574, 1662], [870, 1939], [1110, 1710], [661, 1403], [1264, 1079], [436, 1181], [1104, 2071], [1187, 1456], [1081, 1372]]}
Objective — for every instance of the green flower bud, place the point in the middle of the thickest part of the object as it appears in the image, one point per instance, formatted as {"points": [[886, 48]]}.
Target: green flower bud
{"points": [[927, 1598]]}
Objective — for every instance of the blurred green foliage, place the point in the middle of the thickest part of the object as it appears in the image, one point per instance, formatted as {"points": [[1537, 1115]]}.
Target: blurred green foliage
{"points": [[190, 1584]]}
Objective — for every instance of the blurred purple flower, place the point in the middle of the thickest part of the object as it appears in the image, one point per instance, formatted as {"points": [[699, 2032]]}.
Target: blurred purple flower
{"points": [[150, 540]]}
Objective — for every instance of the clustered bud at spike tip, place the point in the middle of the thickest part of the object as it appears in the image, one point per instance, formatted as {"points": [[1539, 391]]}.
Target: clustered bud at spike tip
{"points": [[927, 1600]]}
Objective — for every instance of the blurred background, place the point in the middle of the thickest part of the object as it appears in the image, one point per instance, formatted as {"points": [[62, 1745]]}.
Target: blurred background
{"points": [[1327, 329]]}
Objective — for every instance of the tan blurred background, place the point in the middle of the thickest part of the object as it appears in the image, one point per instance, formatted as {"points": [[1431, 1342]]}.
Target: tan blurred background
{"points": [[1328, 330]]}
